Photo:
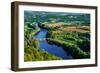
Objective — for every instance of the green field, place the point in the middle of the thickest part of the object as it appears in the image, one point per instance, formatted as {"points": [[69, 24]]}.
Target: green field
{"points": [[71, 31]]}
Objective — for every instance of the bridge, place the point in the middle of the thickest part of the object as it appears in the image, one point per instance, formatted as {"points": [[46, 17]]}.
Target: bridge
{"points": [[42, 39]]}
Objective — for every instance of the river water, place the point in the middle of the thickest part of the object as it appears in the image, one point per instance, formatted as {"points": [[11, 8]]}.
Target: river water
{"points": [[51, 48]]}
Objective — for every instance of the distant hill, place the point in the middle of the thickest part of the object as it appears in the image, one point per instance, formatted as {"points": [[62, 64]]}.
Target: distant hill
{"points": [[41, 16]]}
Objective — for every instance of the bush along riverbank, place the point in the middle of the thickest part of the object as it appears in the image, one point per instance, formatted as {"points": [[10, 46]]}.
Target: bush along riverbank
{"points": [[73, 49], [31, 47], [76, 43]]}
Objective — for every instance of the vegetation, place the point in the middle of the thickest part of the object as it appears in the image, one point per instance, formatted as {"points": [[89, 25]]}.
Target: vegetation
{"points": [[74, 50], [77, 43], [31, 47], [71, 31]]}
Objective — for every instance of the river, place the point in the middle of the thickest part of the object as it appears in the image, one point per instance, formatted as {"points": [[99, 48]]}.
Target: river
{"points": [[51, 48]]}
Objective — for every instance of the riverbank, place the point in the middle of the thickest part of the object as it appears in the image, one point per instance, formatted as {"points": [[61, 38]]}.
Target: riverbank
{"points": [[73, 49], [31, 47]]}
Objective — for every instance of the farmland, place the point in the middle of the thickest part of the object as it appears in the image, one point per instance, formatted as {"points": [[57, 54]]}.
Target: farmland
{"points": [[66, 36]]}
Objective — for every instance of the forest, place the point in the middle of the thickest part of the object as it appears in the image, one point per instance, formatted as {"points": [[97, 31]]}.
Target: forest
{"points": [[45, 32]]}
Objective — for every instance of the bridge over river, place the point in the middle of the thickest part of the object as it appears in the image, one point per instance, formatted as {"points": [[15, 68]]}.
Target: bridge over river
{"points": [[41, 39]]}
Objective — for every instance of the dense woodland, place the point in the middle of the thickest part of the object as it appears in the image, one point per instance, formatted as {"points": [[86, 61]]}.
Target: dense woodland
{"points": [[71, 31]]}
